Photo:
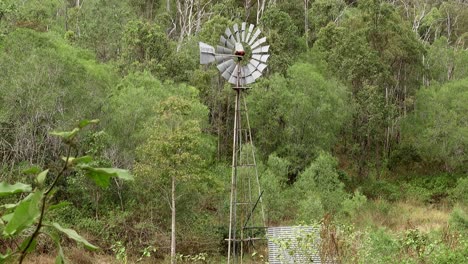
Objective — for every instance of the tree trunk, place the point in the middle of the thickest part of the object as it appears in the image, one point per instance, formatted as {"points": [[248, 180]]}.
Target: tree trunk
{"points": [[306, 22], [168, 6], [173, 223]]}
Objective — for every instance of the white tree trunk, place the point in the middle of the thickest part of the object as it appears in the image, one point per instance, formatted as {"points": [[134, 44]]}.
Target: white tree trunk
{"points": [[173, 223]]}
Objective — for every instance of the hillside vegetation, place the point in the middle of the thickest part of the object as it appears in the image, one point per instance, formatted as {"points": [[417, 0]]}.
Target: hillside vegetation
{"points": [[360, 125]]}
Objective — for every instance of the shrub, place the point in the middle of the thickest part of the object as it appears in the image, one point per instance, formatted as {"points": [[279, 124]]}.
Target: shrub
{"points": [[353, 205], [459, 220], [416, 193], [311, 209], [382, 189], [460, 192]]}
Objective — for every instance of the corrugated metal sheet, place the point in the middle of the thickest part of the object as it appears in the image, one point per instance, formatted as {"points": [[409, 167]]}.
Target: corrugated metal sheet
{"points": [[293, 244]]}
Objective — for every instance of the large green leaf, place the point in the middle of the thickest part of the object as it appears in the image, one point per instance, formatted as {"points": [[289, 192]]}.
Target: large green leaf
{"points": [[24, 215], [5, 257], [73, 235], [41, 177], [60, 259], [85, 122], [7, 217], [101, 176], [7, 189], [66, 135], [80, 160], [32, 170]]}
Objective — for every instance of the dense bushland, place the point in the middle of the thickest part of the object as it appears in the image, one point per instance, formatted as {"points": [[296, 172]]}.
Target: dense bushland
{"points": [[360, 123]]}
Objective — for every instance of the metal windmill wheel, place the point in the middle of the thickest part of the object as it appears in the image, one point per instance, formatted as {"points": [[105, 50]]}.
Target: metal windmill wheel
{"points": [[240, 43]]}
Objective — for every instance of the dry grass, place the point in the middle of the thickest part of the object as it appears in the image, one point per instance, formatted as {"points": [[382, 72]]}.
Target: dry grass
{"points": [[425, 218], [74, 256], [401, 216]]}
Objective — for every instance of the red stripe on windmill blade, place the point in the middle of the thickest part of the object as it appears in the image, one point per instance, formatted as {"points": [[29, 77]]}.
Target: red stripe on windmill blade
{"points": [[254, 37], [226, 65], [226, 43], [258, 42], [223, 50], [249, 33], [243, 31]]}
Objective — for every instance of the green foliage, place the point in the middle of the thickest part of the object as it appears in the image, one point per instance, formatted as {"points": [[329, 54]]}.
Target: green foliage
{"points": [[45, 83], [274, 184], [7, 189], [289, 114], [380, 84], [459, 220], [381, 189], [383, 247], [145, 47], [321, 180], [459, 193], [283, 38], [437, 128], [31, 211], [101, 27], [353, 205]]}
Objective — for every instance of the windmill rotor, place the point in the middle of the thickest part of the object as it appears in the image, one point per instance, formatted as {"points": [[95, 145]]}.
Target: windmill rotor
{"points": [[233, 47]]}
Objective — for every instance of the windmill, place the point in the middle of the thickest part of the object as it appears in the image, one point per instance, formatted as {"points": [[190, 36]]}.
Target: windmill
{"points": [[241, 58]]}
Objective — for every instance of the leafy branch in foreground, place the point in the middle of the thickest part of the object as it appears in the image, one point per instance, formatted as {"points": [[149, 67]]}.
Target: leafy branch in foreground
{"points": [[27, 218]]}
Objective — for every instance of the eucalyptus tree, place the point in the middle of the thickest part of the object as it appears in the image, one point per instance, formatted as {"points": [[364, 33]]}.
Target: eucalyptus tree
{"points": [[173, 151]]}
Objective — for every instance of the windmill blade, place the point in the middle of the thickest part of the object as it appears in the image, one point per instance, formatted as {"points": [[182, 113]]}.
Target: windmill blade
{"points": [[251, 68], [223, 50], [226, 43], [254, 37], [254, 63], [229, 36], [222, 58], [246, 71], [228, 72], [256, 74], [249, 33], [258, 66], [262, 58], [236, 32], [258, 42], [243, 31], [207, 53], [261, 49], [249, 79], [233, 78], [226, 65], [261, 67]]}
